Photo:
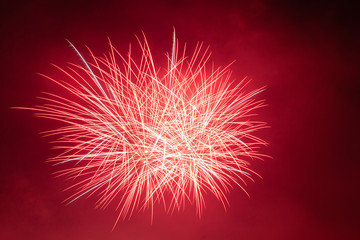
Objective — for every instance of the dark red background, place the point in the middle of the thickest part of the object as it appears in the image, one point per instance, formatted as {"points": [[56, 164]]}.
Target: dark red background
{"points": [[304, 51]]}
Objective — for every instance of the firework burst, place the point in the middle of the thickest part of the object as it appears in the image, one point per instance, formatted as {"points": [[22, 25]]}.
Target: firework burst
{"points": [[136, 135]]}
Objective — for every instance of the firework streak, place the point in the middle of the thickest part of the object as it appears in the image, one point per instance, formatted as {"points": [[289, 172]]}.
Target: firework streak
{"points": [[137, 135]]}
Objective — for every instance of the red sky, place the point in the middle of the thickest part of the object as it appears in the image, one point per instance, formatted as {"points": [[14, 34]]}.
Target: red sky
{"points": [[304, 52]]}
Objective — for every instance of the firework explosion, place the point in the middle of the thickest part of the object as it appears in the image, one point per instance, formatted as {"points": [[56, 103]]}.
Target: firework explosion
{"points": [[137, 135]]}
